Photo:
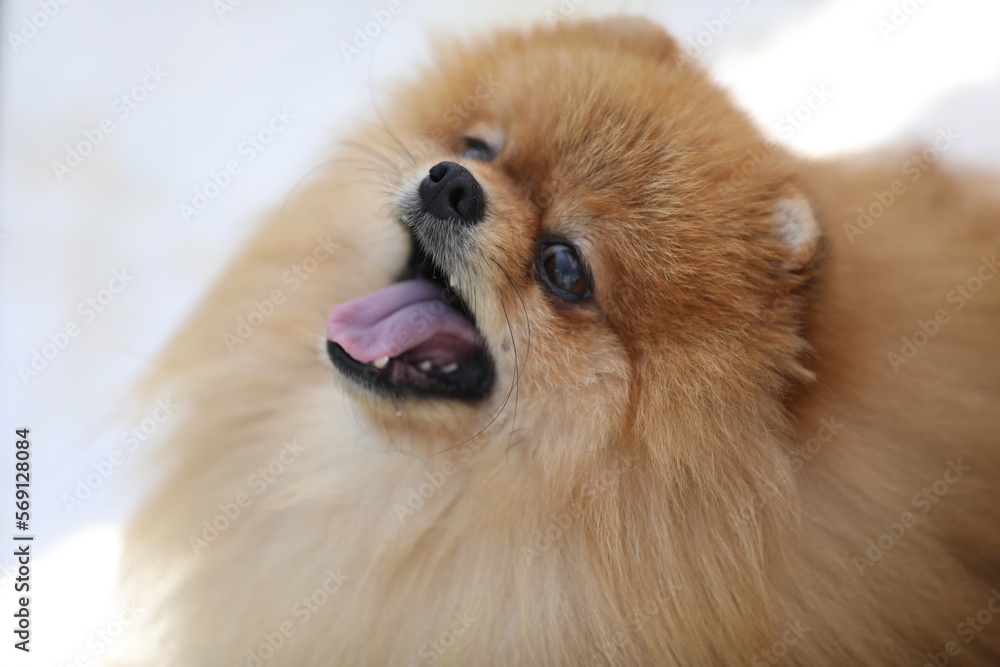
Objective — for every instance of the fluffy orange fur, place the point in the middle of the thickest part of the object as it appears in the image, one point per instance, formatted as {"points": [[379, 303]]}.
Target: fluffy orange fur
{"points": [[717, 461]]}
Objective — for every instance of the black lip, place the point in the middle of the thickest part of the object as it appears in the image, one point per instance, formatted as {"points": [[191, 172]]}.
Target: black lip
{"points": [[472, 382]]}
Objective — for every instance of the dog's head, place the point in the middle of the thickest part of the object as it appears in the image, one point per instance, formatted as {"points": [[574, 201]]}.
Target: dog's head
{"points": [[601, 247]]}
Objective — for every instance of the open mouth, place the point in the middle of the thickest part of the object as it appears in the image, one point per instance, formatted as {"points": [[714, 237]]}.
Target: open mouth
{"points": [[413, 338]]}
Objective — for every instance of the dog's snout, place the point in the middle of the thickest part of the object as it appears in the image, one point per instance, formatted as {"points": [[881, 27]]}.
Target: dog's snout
{"points": [[451, 192]]}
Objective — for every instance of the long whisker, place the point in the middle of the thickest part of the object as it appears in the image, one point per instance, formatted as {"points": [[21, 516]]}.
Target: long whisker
{"points": [[383, 125], [510, 391], [520, 367], [365, 148], [399, 144]]}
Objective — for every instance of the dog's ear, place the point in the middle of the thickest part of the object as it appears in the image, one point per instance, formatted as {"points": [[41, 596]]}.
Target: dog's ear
{"points": [[638, 32], [795, 225]]}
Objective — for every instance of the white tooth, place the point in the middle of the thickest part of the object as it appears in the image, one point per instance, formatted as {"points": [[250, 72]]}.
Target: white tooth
{"points": [[380, 363], [453, 282], [425, 365], [450, 368]]}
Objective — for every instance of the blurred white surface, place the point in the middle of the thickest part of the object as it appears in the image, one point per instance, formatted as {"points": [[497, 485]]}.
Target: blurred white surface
{"points": [[164, 94]]}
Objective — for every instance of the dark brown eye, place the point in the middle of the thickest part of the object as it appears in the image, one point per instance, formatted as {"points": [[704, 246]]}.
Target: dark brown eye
{"points": [[563, 272], [476, 149]]}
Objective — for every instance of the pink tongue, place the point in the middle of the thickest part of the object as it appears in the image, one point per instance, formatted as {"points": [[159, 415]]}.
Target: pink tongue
{"points": [[399, 318]]}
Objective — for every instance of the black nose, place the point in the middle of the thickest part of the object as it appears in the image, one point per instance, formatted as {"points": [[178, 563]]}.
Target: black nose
{"points": [[451, 192]]}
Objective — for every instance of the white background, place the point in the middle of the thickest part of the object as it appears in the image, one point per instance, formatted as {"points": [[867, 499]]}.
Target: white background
{"points": [[225, 73]]}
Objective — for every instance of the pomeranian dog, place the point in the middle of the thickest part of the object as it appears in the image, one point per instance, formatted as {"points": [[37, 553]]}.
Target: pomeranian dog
{"points": [[567, 364]]}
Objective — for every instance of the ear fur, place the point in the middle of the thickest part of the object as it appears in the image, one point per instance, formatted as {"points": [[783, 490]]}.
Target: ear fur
{"points": [[637, 32]]}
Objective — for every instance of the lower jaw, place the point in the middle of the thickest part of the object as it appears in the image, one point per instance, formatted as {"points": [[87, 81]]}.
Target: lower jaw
{"points": [[471, 382]]}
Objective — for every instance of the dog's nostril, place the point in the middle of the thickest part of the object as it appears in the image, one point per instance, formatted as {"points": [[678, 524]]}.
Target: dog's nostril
{"points": [[451, 192], [455, 197], [438, 171]]}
